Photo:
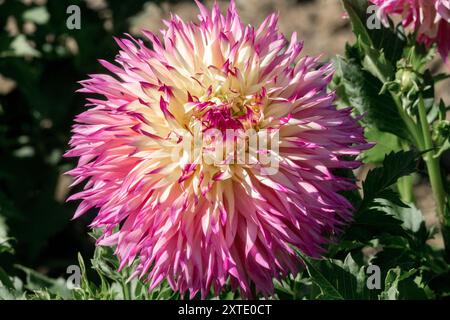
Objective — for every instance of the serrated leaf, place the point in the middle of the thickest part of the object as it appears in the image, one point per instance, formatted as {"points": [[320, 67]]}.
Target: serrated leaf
{"points": [[345, 246], [337, 279], [373, 217], [395, 166], [371, 223], [329, 291], [362, 91], [393, 197]]}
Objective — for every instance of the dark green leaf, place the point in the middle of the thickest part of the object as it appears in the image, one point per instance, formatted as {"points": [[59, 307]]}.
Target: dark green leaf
{"points": [[395, 166]]}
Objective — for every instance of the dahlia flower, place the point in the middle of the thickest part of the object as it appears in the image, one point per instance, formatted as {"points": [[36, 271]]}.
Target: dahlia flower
{"points": [[203, 224], [429, 19]]}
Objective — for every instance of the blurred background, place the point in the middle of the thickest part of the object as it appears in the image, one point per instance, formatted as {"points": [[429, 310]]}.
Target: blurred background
{"points": [[41, 61]]}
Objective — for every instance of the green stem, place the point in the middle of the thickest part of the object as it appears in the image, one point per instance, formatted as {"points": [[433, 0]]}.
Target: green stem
{"points": [[434, 173], [405, 184], [421, 137], [433, 167], [125, 289], [405, 188], [409, 122]]}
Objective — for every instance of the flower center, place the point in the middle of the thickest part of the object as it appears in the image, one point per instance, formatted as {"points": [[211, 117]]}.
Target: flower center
{"points": [[224, 112]]}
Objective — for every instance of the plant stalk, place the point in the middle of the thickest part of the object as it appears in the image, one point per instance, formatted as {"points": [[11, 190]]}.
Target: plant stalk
{"points": [[435, 176], [125, 289], [405, 188], [432, 163]]}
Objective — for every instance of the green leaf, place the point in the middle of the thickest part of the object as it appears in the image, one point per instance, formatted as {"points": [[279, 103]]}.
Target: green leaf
{"points": [[393, 197], [5, 245], [105, 263], [5, 280], [356, 10], [12, 291], [375, 62], [445, 146], [338, 279], [373, 217], [411, 217], [390, 41], [400, 284], [394, 276], [328, 289], [344, 246], [385, 144], [371, 223], [37, 281], [441, 284], [362, 91], [395, 166]]}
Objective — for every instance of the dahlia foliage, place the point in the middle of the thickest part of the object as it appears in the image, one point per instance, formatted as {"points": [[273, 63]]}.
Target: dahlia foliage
{"points": [[429, 19], [184, 207]]}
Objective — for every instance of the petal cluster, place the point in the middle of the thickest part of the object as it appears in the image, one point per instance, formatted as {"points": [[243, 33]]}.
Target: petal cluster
{"points": [[198, 225], [429, 19]]}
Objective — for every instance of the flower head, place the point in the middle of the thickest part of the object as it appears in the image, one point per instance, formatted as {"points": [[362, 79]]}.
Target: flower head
{"points": [[202, 219], [429, 19]]}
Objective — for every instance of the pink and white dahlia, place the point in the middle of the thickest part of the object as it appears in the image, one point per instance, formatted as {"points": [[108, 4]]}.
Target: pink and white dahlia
{"points": [[429, 19], [201, 224]]}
